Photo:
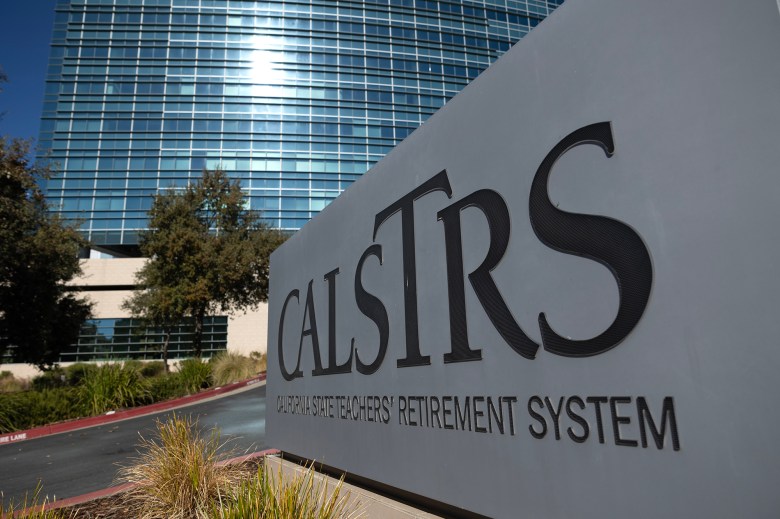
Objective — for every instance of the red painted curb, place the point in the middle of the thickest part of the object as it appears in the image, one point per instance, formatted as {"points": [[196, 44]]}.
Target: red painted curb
{"points": [[91, 496], [106, 492], [247, 457], [115, 416]]}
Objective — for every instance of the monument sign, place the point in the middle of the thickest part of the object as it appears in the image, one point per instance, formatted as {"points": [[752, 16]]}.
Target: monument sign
{"points": [[560, 296]]}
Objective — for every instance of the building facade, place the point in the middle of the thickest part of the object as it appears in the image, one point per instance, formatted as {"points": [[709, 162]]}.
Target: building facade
{"points": [[112, 335], [295, 98]]}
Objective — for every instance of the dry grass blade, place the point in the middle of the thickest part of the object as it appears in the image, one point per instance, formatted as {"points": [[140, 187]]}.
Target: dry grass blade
{"points": [[262, 360], [10, 384], [177, 473], [228, 367], [32, 507], [276, 497]]}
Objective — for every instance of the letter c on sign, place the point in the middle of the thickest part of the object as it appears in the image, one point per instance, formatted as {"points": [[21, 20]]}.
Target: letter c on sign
{"points": [[297, 373]]}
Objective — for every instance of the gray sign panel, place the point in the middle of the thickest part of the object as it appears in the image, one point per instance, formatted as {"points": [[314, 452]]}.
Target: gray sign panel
{"points": [[559, 297]]}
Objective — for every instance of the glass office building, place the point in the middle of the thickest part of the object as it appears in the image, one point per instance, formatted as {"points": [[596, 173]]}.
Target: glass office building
{"points": [[296, 98], [126, 338]]}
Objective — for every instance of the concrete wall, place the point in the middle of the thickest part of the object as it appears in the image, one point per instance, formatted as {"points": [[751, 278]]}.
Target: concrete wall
{"points": [[248, 331], [358, 501], [102, 274], [109, 272]]}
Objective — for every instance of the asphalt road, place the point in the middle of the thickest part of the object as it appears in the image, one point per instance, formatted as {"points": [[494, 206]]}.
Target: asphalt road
{"points": [[77, 462]]}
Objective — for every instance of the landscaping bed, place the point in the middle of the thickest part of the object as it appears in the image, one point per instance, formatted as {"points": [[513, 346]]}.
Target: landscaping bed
{"points": [[122, 506], [183, 472], [83, 390]]}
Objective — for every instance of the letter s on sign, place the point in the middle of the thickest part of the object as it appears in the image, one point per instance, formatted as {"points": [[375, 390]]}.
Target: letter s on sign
{"points": [[608, 241]]}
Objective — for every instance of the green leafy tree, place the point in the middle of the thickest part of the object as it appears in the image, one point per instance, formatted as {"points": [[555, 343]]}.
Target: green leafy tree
{"points": [[39, 316], [157, 307], [207, 253]]}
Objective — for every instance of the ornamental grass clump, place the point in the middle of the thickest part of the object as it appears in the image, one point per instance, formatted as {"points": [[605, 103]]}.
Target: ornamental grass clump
{"points": [[262, 360], [112, 386], [194, 374], [10, 384], [75, 373], [155, 368], [32, 507], [274, 496], [230, 367], [28, 409], [177, 474]]}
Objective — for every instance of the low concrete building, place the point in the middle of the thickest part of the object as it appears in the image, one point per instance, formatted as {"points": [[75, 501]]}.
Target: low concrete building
{"points": [[112, 334]]}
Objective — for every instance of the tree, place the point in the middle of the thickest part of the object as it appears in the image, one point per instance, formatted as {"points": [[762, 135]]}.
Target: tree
{"points": [[39, 316], [3, 79], [207, 253], [157, 307]]}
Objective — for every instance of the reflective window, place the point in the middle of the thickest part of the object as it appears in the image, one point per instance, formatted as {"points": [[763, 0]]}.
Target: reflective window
{"points": [[125, 338], [302, 96]]}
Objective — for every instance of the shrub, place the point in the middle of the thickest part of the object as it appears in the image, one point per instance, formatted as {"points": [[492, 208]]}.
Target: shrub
{"points": [[194, 374], [27, 409], [75, 373], [10, 384], [177, 473], [273, 496], [50, 379], [54, 405], [112, 386], [166, 387], [133, 364], [231, 367], [7, 415], [262, 360], [152, 369]]}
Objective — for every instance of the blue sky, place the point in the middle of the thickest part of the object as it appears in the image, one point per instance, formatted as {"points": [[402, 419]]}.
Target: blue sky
{"points": [[25, 35]]}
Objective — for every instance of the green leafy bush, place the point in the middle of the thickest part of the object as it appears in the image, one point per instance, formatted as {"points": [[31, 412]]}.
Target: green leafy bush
{"points": [[165, 387], [194, 374], [75, 373], [27, 409], [50, 379], [7, 415], [54, 405], [86, 389], [155, 368], [112, 386], [134, 364]]}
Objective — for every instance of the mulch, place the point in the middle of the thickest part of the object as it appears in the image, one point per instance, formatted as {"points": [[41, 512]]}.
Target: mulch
{"points": [[118, 506]]}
